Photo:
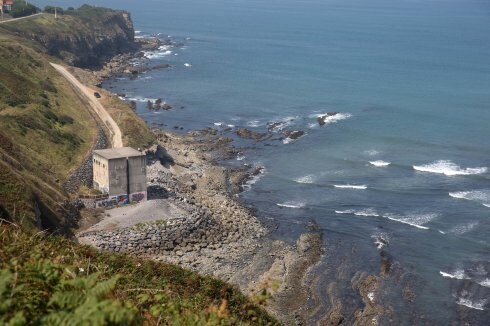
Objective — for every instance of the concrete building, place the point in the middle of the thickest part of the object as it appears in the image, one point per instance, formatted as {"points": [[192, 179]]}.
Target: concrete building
{"points": [[6, 5], [120, 173]]}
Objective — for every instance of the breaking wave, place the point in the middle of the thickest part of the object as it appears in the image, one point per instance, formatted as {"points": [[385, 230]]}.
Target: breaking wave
{"points": [[478, 305], [415, 220], [485, 283], [347, 186], [448, 168], [457, 274], [480, 196], [306, 179], [333, 118], [292, 204], [379, 163], [464, 228], [363, 212]]}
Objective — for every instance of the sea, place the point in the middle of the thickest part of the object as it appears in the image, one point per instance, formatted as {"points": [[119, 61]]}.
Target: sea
{"points": [[401, 172]]}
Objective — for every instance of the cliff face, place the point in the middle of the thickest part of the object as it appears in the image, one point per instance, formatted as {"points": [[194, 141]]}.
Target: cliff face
{"points": [[86, 37]]}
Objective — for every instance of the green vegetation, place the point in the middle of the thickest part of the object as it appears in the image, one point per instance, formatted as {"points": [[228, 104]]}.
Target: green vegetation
{"points": [[23, 8], [45, 132], [135, 131], [53, 10], [45, 128], [50, 280]]}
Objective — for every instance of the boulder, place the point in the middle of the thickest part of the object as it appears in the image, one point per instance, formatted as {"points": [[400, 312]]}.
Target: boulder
{"points": [[322, 120], [249, 134]]}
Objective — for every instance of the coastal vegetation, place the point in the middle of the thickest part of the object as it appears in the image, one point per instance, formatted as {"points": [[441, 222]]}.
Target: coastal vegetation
{"points": [[46, 127], [51, 280]]}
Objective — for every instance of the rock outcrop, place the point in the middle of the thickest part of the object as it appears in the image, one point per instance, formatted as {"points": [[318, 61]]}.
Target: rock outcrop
{"points": [[95, 35]]}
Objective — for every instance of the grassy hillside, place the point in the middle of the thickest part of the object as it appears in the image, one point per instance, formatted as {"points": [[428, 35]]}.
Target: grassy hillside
{"points": [[45, 131], [50, 280]]}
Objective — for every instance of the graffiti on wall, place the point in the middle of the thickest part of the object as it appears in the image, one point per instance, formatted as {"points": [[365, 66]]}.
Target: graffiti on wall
{"points": [[137, 197], [114, 201]]}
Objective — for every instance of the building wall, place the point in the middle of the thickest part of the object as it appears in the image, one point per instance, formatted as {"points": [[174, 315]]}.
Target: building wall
{"points": [[137, 178], [101, 173], [118, 183]]}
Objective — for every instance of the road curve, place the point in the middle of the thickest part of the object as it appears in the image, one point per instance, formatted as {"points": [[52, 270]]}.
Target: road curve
{"points": [[95, 104]]}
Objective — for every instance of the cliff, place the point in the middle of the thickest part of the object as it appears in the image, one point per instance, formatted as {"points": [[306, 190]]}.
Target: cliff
{"points": [[86, 37]]}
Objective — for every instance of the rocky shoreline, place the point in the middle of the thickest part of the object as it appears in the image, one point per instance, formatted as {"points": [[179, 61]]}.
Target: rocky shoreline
{"points": [[207, 228]]}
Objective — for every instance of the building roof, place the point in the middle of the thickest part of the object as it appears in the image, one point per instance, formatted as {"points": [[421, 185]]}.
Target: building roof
{"points": [[121, 152]]}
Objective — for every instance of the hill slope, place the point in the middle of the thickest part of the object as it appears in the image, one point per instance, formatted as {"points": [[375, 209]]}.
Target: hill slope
{"points": [[46, 128]]}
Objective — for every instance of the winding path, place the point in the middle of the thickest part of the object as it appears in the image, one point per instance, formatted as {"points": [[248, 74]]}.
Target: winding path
{"points": [[95, 104], [20, 18]]}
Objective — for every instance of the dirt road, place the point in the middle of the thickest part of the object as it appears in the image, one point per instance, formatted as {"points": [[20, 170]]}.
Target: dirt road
{"points": [[87, 92], [20, 18]]}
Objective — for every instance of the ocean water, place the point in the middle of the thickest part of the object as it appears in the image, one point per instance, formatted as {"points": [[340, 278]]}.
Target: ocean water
{"points": [[407, 159]]}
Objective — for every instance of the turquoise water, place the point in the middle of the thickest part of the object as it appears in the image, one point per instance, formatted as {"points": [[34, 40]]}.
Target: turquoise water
{"points": [[411, 79]]}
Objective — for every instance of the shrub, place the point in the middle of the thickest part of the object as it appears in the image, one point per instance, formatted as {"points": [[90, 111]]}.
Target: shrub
{"points": [[21, 9]]}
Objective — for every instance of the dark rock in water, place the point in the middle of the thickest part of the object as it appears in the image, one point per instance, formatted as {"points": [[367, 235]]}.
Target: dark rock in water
{"points": [[322, 119], [272, 126], [257, 171], [295, 134], [249, 134], [161, 66], [133, 105], [158, 105]]}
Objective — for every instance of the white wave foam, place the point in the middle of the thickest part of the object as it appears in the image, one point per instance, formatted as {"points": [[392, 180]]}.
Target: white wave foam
{"points": [[363, 212], [254, 123], [367, 212], [219, 124], [415, 220], [165, 47], [347, 211], [253, 180], [379, 163], [457, 274], [478, 305], [188, 65], [480, 196], [306, 179], [347, 186], [370, 296], [240, 157], [157, 54], [485, 283], [137, 32], [381, 240], [448, 168], [292, 204], [333, 118], [464, 228], [141, 99]]}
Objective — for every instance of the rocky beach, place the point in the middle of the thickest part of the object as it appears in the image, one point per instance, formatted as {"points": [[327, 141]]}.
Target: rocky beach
{"points": [[194, 217]]}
